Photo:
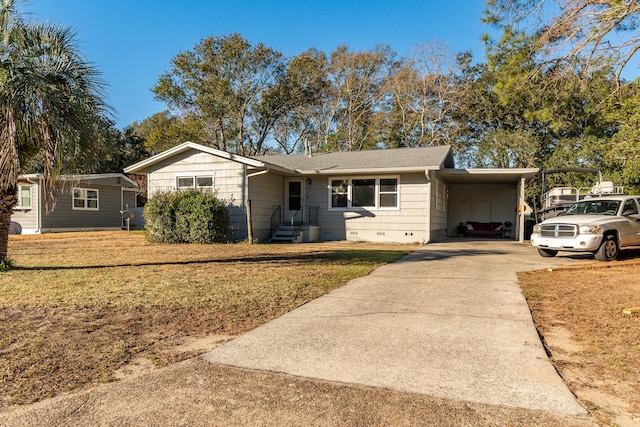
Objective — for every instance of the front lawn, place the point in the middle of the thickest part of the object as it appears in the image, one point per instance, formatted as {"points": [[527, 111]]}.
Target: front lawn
{"points": [[594, 345], [79, 306]]}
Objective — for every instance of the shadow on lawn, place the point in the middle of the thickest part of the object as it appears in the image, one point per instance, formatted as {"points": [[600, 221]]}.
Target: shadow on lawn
{"points": [[629, 254], [335, 257]]}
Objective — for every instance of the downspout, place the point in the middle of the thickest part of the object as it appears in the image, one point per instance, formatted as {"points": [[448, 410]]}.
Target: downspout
{"points": [[251, 175], [428, 174], [247, 201]]}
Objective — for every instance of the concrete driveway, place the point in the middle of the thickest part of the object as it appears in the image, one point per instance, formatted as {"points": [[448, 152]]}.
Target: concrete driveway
{"points": [[447, 320], [442, 337]]}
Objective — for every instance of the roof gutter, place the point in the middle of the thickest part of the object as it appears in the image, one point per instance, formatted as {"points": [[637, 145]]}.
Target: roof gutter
{"points": [[371, 171]]}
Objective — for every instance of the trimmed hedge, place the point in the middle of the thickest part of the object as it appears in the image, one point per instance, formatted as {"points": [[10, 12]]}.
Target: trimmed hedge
{"points": [[186, 216]]}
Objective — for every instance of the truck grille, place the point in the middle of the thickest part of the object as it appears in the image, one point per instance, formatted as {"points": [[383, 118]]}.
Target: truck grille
{"points": [[559, 230]]}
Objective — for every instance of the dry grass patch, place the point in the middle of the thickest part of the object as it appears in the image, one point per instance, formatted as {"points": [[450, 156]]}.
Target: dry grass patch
{"points": [[594, 346], [81, 305]]}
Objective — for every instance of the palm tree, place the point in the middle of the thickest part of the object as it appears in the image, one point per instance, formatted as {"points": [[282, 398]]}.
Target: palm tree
{"points": [[50, 104]]}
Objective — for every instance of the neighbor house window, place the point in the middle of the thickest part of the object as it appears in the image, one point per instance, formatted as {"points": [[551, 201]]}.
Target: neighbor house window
{"points": [[85, 198], [24, 196], [365, 193], [201, 182]]}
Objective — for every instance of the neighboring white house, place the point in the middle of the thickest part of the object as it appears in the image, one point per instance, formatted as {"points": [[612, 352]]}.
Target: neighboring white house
{"points": [[403, 195], [83, 202]]}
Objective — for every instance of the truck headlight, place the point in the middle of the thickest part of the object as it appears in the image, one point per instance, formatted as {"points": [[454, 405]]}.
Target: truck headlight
{"points": [[588, 229], [536, 228]]}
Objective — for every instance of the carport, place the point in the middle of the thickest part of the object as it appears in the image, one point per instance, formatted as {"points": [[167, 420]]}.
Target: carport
{"points": [[487, 195]]}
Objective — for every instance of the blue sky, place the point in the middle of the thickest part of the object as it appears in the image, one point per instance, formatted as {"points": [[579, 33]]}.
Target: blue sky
{"points": [[132, 41]]}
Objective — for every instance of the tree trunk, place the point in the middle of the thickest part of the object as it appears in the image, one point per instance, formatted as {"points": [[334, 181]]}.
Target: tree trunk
{"points": [[8, 200]]}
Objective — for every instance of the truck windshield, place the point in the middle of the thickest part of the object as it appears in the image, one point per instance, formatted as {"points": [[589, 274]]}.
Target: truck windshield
{"points": [[594, 207]]}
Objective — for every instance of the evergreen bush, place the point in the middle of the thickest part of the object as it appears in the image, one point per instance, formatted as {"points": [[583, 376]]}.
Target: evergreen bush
{"points": [[186, 216]]}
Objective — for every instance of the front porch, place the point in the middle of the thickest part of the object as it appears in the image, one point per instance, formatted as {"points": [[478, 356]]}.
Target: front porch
{"points": [[299, 226]]}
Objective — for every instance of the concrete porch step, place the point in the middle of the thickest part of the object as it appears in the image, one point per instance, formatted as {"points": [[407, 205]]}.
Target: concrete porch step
{"points": [[287, 234]]}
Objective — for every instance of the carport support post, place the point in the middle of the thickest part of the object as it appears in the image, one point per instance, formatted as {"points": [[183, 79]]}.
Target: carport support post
{"points": [[521, 210]]}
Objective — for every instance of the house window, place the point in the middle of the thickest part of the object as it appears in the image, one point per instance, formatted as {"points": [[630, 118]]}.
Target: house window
{"points": [[339, 193], [184, 182], [203, 182], [361, 193], [389, 193], [24, 196], [85, 199]]}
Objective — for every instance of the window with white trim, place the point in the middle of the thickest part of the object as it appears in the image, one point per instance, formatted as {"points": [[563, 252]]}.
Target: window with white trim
{"points": [[364, 193], [85, 199], [339, 193], [388, 193], [199, 182], [24, 197]]}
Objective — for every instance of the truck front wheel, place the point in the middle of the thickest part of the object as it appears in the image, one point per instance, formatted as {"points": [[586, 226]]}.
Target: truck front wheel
{"points": [[608, 250]]}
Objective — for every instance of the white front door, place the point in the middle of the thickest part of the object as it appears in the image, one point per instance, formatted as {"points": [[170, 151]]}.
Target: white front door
{"points": [[294, 200]]}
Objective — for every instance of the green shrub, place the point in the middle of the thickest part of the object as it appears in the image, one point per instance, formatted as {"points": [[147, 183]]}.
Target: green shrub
{"points": [[6, 265], [187, 216]]}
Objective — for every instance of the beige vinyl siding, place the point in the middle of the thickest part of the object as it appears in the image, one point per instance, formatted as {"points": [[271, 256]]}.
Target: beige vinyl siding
{"points": [[228, 180], [481, 202], [228, 176], [28, 220], [266, 192], [408, 224], [64, 217]]}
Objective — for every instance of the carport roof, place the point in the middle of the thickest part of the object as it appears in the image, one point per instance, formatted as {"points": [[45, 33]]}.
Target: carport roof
{"points": [[487, 176]]}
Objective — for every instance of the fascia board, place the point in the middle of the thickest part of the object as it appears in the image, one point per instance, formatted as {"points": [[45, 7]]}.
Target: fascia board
{"points": [[141, 166], [30, 176], [81, 177], [97, 177], [276, 168], [365, 171], [525, 172]]}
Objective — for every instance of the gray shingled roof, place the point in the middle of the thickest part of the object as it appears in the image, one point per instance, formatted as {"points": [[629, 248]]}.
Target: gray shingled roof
{"points": [[397, 158]]}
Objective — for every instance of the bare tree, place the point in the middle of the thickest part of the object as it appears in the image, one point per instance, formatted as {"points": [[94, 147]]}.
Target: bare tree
{"points": [[357, 92], [423, 92]]}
